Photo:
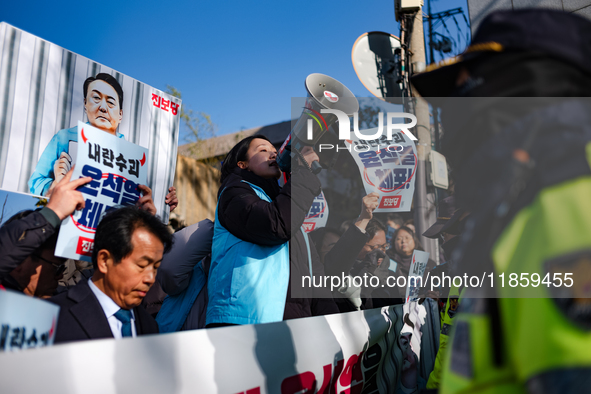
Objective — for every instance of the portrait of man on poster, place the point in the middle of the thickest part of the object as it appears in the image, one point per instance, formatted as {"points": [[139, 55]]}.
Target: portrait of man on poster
{"points": [[103, 102]]}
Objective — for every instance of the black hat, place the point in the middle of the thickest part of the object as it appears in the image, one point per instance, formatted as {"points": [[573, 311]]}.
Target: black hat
{"points": [[557, 34], [448, 216]]}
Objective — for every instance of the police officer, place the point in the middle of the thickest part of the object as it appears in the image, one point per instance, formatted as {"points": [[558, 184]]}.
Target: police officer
{"points": [[449, 225], [518, 137]]}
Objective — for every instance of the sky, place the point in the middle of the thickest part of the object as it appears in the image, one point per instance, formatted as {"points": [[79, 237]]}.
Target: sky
{"points": [[12, 203], [238, 61]]}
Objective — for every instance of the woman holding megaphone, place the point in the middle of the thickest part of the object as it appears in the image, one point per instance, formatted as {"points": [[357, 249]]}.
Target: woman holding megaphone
{"points": [[257, 223]]}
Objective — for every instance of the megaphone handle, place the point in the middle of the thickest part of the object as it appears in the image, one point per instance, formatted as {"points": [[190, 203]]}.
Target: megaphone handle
{"points": [[316, 167]]}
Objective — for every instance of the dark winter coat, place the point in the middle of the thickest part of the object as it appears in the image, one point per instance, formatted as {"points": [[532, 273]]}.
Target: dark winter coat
{"points": [[248, 217], [20, 238]]}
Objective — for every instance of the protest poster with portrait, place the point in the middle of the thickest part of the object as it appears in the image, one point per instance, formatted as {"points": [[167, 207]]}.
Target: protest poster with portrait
{"points": [[47, 90], [317, 215], [116, 167], [387, 167]]}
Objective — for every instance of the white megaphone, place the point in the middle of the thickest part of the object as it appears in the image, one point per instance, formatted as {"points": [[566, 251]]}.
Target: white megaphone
{"points": [[324, 92]]}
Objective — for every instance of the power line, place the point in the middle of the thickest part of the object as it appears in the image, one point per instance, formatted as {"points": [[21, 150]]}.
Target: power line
{"points": [[444, 43]]}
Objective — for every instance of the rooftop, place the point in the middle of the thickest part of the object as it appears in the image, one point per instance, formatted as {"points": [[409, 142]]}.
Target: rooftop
{"points": [[220, 146]]}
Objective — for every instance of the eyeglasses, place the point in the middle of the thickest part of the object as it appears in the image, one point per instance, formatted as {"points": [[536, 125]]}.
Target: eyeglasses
{"points": [[383, 247], [59, 268]]}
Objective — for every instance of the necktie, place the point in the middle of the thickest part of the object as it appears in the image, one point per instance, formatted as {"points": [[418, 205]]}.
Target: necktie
{"points": [[124, 316]]}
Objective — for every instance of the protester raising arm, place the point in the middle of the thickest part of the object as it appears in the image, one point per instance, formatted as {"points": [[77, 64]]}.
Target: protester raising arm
{"points": [[342, 256]]}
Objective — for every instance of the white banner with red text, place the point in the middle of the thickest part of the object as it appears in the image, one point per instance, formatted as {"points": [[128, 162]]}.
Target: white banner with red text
{"points": [[358, 352], [25, 322]]}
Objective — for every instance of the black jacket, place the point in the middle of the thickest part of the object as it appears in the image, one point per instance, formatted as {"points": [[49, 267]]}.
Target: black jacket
{"points": [[22, 237], [81, 316], [341, 258], [251, 219]]}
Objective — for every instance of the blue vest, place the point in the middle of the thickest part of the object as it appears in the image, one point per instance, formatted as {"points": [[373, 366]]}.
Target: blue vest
{"points": [[247, 282]]}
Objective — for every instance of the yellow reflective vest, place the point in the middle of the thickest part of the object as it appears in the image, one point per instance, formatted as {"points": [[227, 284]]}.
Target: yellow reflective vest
{"points": [[545, 330], [449, 312]]}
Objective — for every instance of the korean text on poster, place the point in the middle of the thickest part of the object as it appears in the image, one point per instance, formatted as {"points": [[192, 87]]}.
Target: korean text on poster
{"points": [[116, 167], [25, 322], [55, 87], [317, 215], [387, 167], [415, 274]]}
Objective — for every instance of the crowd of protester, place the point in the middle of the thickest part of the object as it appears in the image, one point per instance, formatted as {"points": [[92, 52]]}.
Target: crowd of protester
{"points": [[244, 267]]}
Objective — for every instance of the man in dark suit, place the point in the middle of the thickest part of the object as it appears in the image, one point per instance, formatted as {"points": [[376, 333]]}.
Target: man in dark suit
{"points": [[128, 248]]}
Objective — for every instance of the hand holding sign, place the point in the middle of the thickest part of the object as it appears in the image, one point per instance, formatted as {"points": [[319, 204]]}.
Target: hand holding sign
{"points": [[65, 199], [60, 168], [171, 198], [145, 202]]}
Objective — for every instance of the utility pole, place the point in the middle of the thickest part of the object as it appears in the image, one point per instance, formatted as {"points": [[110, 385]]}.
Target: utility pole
{"points": [[424, 204]]}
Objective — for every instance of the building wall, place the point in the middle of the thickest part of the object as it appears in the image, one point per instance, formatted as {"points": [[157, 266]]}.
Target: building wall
{"points": [[197, 185]]}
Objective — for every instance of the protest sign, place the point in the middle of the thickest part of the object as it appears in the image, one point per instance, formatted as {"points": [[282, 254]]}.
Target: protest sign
{"points": [[116, 167], [415, 274], [387, 167], [317, 215], [350, 352], [25, 322], [48, 89]]}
